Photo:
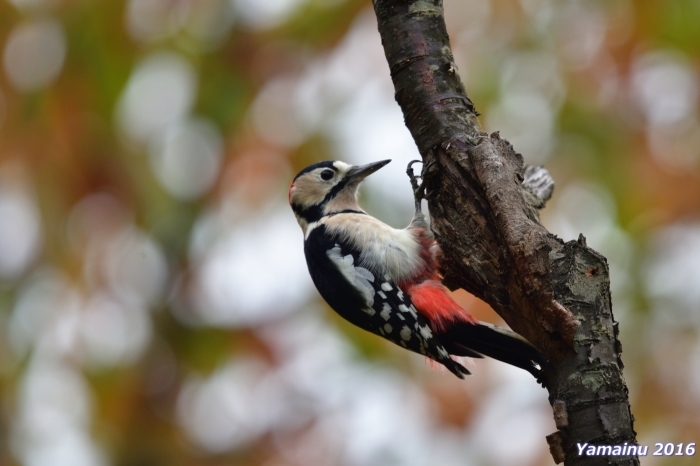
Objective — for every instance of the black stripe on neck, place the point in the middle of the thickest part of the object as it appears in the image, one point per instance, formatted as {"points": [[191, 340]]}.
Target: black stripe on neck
{"points": [[310, 214], [346, 211], [315, 213]]}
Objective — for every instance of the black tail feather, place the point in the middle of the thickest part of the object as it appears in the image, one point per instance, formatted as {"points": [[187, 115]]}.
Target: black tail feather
{"points": [[465, 339]]}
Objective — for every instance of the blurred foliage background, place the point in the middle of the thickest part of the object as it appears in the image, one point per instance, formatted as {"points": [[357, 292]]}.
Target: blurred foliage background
{"points": [[155, 307]]}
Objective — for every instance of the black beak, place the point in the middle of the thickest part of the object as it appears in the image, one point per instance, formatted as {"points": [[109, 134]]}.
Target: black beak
{"points": [[359, 173]]}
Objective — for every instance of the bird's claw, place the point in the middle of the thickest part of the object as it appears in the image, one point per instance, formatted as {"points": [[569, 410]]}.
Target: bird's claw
{"points": [[418, 189]]}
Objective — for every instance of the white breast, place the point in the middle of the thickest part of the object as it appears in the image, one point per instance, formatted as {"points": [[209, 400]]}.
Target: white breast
{"points": [[385, 250]]}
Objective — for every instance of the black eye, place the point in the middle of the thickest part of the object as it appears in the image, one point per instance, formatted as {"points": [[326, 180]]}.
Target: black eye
{"points": [[327, 174]]}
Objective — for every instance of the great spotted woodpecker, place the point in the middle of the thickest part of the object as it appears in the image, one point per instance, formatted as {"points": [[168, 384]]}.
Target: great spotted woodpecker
{"points": [[386, 280]]}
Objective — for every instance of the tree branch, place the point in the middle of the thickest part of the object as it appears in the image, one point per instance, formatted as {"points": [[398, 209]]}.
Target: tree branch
{"points": [[555, 294]]}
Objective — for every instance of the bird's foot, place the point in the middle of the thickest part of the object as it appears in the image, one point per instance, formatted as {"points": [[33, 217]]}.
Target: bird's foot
{"points": [[418, 188]]}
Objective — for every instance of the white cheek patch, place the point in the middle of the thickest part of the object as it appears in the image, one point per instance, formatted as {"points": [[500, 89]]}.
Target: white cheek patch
{"points": [[359, 277], [309, 189]]}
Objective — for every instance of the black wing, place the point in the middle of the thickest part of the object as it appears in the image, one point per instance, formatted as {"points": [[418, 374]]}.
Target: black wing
{"points": [[371, 302]]}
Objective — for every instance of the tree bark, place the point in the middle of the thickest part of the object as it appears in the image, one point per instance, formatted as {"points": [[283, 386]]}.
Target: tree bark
{"points": [[555, 294]]}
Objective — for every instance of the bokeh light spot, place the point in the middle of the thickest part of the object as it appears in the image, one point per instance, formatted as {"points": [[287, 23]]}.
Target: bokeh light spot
{"points": [[187, 159], [20, 228], [34, 54], [160, 91], [112, 332], [665, 87], [263, 14], [243, 285], [672, 273], [223, 412]]}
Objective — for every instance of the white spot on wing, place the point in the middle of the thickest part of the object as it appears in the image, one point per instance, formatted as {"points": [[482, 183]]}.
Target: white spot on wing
{"points": [[382, 294], [366, 288], [386, 311], [405, 333], [364, 273], [359, 277], [348, 271], [388, 328], [425, 331], [386, 286]]}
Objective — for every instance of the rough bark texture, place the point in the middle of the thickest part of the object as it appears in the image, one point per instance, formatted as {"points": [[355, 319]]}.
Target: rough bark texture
{"points": [[555, 294]]}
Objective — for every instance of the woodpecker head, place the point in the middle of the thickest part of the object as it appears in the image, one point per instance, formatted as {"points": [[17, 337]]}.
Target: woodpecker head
{"points": [[327, 187]]}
